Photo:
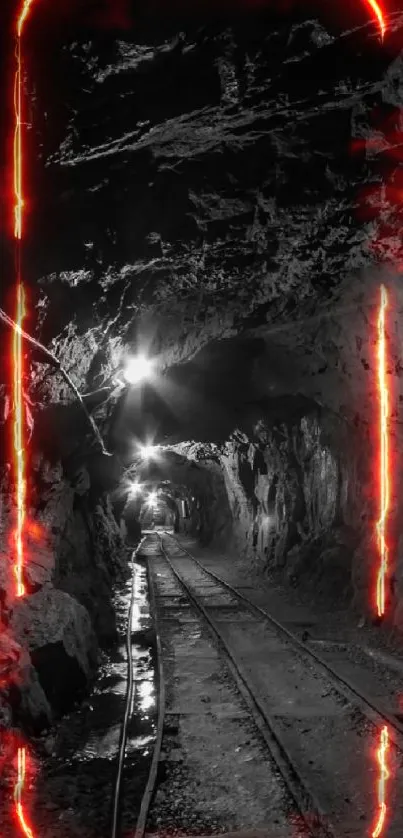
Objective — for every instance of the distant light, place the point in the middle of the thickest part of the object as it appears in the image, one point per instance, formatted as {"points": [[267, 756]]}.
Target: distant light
{"points": [[137, 369], [152, 498], [147, 451], [135, 488]]}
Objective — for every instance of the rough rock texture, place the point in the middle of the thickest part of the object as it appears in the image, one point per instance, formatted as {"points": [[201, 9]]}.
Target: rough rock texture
{"points": [[296, 499], [89, 559], [193, 471], [294, 493], [227, 195], [219, 181], [22, 698], [73, 555], [61, 640]]}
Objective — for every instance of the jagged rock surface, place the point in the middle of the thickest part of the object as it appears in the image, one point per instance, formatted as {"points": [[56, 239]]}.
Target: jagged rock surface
{"points": [[23, 700], [195, 191], [61, 640], [230, 186]]}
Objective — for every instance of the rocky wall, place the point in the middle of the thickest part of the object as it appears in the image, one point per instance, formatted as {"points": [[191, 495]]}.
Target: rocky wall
{"points": [[304, 498], [210, 511], [73, 555]]}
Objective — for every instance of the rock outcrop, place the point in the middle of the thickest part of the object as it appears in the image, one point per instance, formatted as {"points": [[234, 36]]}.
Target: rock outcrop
{"points": [[22, 698], [73, 555], [61, 641]]}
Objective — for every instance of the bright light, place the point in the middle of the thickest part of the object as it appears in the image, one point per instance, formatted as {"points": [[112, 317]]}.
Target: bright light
{"points": [[147, 451], [152, 498], [137, 369], [378, 11], [135, 488]]}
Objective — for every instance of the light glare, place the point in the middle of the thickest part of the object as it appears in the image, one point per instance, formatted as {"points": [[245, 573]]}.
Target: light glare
{"points": [[137, 369], [147, 451], [135, 488]]}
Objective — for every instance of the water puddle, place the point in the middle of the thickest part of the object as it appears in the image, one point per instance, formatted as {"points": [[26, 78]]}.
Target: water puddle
{"points": [[72, 794]]}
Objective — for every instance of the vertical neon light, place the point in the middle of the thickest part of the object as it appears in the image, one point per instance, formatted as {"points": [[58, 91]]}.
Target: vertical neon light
{"points": [[19, 452], [18, 794], [384, 479], [383, 777], [18, 370], [376, 8]]}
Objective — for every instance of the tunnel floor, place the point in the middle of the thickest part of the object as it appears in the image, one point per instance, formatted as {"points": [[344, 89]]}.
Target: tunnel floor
{"points": [[368, 654], [215, 774]]}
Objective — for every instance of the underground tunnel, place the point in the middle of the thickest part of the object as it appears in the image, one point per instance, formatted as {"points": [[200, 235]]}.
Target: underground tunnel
{"points": [[201, 420]]}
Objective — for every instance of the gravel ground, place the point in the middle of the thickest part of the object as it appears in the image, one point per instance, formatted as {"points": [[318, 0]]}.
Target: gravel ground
{"points": [[335, 750], [72, 770], [216, 775], [370, 654]]}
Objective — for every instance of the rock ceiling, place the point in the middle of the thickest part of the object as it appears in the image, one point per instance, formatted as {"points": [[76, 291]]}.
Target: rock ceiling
{"points": [[223, 184]]}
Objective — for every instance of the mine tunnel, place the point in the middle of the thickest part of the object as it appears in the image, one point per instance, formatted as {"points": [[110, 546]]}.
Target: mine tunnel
{"points": [[201, 421]]}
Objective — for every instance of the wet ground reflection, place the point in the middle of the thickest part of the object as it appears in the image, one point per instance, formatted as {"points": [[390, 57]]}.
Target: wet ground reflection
{"points": [[74, 789]]}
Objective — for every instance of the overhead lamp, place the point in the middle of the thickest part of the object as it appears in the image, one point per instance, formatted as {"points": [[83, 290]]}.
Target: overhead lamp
{"points": [[147, 451], [137, 368]]}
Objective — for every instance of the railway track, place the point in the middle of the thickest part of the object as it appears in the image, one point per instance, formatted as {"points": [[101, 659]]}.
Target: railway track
{"points": [[268, 664], [374, 712]]}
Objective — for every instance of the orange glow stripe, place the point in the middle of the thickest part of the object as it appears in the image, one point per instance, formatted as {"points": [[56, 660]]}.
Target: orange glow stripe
{"points": [[19, 461], [23, 16], [21, 756], [18, 371], [383, 777], [18, 157], [384, 479], [19, 203], [376, 8]]}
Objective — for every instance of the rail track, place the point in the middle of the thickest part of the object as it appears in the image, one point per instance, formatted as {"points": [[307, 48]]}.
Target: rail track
{"points": [[214, 601], [374, 712]]}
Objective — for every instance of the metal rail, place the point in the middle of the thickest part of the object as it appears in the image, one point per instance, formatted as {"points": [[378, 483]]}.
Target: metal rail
{"points": [[152, 777], [372, 711], [128, 702], [317, 822]]}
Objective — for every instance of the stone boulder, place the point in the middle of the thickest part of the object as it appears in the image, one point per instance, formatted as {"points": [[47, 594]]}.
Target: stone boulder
{"points": [[59, 634], [22, 699]]}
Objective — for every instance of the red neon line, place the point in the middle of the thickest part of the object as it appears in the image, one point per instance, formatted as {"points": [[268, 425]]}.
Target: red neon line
{"points": [[383, 777], [19, 202], [21, 756], [379, 15], [18, 370], [18, 155], [19, 454], [384, 479]]}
